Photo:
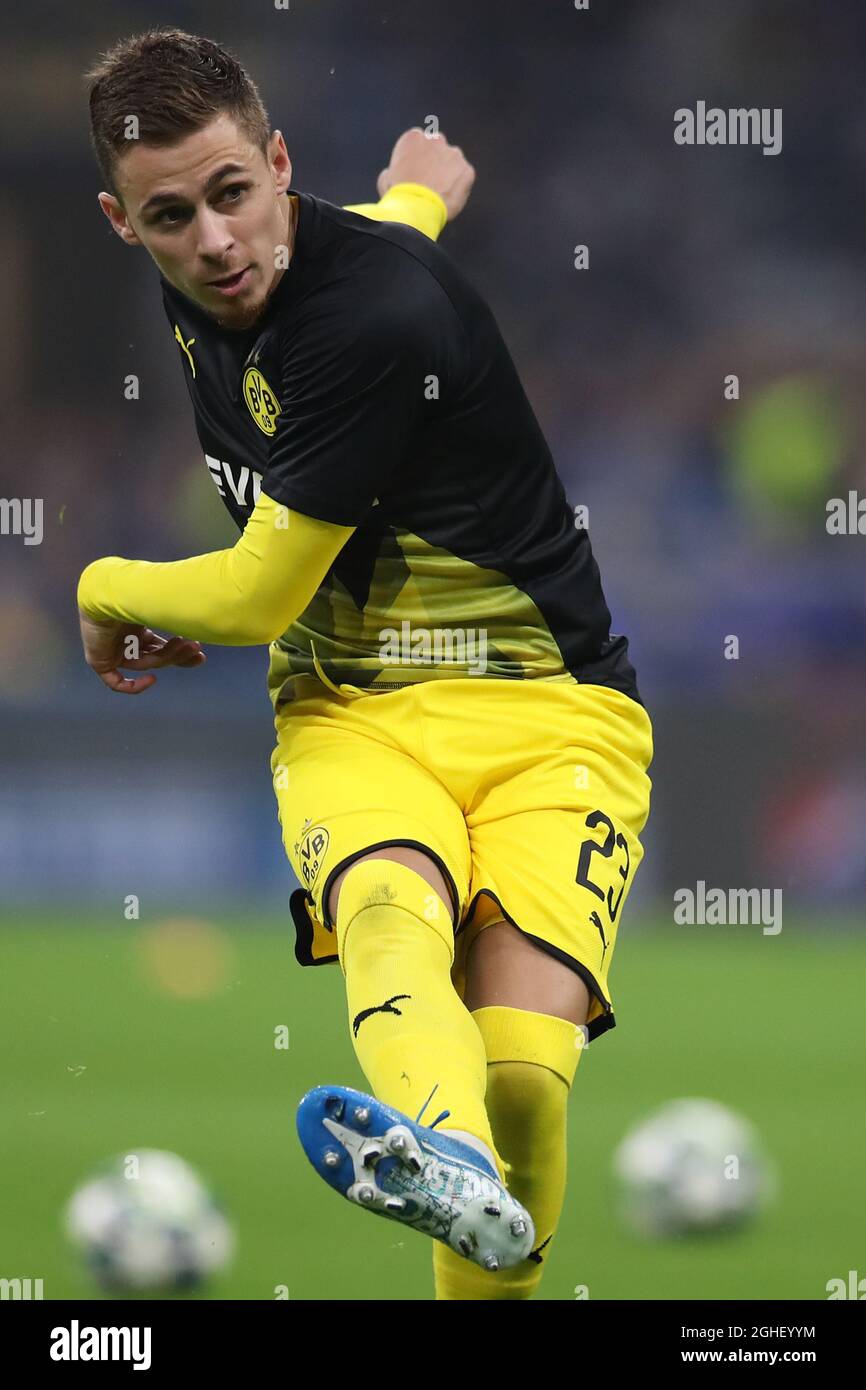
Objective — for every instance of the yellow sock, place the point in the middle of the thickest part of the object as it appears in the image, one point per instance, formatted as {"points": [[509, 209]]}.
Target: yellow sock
{"points": [[532, 1059], [414, 1038]]}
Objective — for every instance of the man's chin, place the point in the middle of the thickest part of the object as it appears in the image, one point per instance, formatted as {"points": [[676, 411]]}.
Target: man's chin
{"points": [[238, 316]]}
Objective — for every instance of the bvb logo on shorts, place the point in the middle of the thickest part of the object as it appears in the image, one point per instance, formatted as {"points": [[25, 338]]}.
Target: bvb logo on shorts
{"points": [[263, 404], [311, 850]]}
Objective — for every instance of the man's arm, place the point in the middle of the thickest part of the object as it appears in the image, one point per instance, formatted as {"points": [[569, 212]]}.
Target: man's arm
{"points": [[246, 595], [426, 183], [413, 203]]}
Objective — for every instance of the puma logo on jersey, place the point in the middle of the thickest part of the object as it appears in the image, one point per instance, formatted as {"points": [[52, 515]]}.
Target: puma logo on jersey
{"points": [[386, 1008], [185, 347], [244, 484]]}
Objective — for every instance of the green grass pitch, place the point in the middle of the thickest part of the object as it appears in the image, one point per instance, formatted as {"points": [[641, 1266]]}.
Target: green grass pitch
{"points": [[99, 1058]]}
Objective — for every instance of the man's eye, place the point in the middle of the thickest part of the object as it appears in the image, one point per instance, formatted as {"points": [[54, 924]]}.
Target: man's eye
{"points": [[170, 217], [234, 192]]}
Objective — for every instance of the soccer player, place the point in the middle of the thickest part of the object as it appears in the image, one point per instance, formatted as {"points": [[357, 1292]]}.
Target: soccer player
{"points": [[461, 750]]}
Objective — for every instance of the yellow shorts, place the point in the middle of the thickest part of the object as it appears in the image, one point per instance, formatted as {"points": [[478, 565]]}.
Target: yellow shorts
{"points": [[529, 795]]}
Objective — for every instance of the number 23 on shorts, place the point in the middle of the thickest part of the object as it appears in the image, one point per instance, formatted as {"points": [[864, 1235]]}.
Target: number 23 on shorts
{"points": [[607, 859]]}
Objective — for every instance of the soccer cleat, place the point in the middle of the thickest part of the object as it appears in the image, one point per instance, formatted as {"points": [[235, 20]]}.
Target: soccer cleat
{"points": [[435, 1183]]}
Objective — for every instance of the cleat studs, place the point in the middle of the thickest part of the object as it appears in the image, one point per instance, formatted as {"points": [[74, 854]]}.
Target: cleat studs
{"points": [[399, 1143], [332, 1159], [362, 1115], [371, 1155], [493, 1211], [395, 1204], [335, 1107], [518, 1226], [366, 1193], [467, 1244], [491, 1262]]}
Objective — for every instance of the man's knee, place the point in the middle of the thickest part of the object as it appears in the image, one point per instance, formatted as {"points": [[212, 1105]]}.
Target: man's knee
{"points": [[415, 859], [541, 1049], [527, 1085], [406, 902], [528, 1105]]}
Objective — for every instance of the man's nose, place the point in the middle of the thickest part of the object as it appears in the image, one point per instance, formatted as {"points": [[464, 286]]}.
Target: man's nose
{"points": [[215, 239]]}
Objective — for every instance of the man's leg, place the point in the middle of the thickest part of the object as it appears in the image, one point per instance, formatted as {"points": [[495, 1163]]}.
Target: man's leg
{"points": [[529, 1008], [504, 967], [414, 1038]]}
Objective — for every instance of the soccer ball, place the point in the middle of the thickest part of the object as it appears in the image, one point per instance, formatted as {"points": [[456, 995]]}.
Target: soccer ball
{"points": [[691, 1166], [146, 1221]]}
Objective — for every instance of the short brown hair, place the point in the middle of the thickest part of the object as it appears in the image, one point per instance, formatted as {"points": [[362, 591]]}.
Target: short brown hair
{"points": [[174, 83]]}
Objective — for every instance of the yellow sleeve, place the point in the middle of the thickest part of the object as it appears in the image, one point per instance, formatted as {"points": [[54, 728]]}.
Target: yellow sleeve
{"points": [[244, 596], [413, 203]]}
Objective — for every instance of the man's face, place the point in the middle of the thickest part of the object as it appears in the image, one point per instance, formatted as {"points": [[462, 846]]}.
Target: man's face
{"points": [[210, 211]]}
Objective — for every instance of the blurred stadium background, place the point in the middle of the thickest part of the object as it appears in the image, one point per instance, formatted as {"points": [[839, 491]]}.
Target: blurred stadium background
{"points": [[708, 520]]}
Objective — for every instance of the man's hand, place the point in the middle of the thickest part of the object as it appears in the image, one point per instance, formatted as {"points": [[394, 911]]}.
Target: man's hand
{"points": [[107, 646], [429, 159]]}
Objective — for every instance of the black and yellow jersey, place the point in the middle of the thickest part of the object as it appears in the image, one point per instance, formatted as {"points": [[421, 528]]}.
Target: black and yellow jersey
{"points": [[377, 392]]}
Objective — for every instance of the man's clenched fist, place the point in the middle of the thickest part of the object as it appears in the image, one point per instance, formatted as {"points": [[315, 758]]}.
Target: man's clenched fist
{"points": [[429, 159]]}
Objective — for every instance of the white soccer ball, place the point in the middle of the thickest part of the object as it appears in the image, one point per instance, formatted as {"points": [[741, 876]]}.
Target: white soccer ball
{"points": [[691, 1166], [146, 1221]]}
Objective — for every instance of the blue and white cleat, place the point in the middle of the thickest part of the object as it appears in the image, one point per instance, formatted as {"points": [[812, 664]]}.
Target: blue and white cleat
{"points": [[384, 1161]]}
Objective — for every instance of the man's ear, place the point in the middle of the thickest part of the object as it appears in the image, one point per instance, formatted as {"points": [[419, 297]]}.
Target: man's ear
{"points": [[278, 161], [116, 214]]}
